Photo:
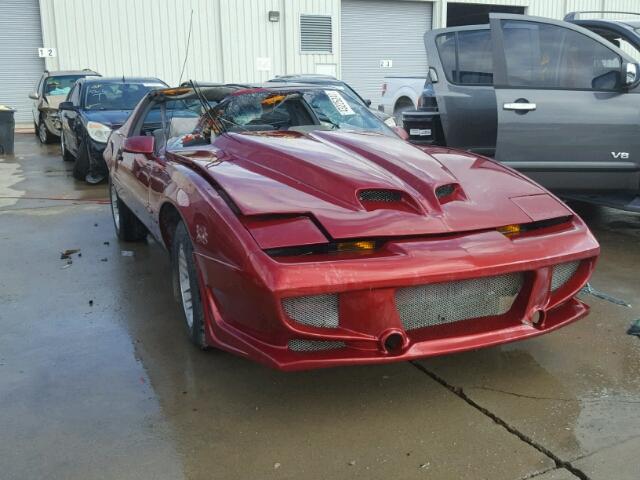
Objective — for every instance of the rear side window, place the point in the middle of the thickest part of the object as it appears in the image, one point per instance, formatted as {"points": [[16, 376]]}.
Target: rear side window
{"points": [[467, 57], [539, 55]]}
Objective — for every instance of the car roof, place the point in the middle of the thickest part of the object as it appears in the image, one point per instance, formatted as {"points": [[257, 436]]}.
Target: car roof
{"points": [[305, 76], [64, 73], [219, 92], [122, 80]]}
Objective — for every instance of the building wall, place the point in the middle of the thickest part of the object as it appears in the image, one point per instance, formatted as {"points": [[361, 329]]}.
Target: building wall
{"points": [[149, 37], [542, 8]]}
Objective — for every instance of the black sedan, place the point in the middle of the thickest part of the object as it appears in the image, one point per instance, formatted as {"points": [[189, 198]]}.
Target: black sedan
{"points": [[93, 109]]}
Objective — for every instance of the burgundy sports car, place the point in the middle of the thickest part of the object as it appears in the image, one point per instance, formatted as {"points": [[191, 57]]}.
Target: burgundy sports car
{"points": [[305, 233]]}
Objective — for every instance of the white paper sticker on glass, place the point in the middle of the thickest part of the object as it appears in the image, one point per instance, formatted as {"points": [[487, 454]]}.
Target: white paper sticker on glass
{"points": [[339, 102]]}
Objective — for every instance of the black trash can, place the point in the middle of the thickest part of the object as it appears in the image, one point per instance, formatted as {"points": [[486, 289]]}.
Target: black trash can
{"points": [[423, 127], [7, 129]]}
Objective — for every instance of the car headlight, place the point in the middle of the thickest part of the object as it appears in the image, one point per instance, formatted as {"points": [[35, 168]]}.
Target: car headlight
{"points": [[391, 122], [98, 132]]}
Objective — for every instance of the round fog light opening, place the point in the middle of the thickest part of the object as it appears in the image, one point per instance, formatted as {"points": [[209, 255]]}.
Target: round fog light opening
{"points": [[537, 317], [393, 343]]}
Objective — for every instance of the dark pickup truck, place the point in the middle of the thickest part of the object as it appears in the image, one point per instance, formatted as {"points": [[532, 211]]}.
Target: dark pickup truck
{"points": [[550, 98]]}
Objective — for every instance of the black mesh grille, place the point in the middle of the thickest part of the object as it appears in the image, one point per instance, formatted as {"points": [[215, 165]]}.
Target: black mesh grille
{"points": [[379, 196], [301, 345], [445, 190]]}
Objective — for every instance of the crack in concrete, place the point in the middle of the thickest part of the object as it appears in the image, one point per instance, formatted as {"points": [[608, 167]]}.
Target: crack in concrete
{"points": [[607, 447], [543, 472], [511, 429], [558, 399]]}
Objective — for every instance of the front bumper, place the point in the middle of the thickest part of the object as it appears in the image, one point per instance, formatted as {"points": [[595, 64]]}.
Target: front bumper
{"points": [[246, 316]]}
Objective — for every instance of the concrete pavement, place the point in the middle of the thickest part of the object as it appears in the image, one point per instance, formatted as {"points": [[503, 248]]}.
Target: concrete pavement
{"points": [[97, 379]]}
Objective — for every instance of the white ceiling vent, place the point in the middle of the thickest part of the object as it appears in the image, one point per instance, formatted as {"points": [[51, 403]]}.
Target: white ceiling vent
{"points": [[315, 34]]}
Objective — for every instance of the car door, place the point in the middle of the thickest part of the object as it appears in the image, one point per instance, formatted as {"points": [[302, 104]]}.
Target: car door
{"points": [[463, 60], [564, 117], [36, 102], [69, 120], [131, 170]]}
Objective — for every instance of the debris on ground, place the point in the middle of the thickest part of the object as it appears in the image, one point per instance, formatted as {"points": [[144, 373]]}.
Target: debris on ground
{"points": [[127, 253], [634, 329], [68, 263], [425, 465], [588, 289], [276, 465], [104, 259], [91, 303], [105, 243], [352, 463], [67, 253]]}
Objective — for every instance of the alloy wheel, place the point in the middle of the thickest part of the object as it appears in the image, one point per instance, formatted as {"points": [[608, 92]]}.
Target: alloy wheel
{"points": [[114, 206], [184, 279], [42, 132]]}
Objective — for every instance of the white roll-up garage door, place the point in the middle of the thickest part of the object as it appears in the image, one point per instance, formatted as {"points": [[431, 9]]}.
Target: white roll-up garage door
{"points": [[20, 66], [382, 38]]}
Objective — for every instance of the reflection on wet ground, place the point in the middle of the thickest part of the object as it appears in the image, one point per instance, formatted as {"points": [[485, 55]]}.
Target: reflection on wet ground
{"points": [[97, 379]]}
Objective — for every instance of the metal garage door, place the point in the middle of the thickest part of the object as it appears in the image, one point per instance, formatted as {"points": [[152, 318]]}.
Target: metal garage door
{"points": [[20, 66], [376, 30]]}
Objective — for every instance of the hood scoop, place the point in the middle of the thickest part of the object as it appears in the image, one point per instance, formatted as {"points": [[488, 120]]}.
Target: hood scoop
{"points": [[387, 199], [377, 196]]}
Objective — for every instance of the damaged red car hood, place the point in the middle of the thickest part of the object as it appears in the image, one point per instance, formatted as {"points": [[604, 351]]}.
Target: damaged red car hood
{"points": [[324, 174]]}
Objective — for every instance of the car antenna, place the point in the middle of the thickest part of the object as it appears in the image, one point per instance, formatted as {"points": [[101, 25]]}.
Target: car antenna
{"points": [[186, 52], [207, 106]]}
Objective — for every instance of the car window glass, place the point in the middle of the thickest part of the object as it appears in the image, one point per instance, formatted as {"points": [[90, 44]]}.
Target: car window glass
{"points": [[618, 40], [475, 57], [168, 121], [74, 95], [116, 95], [446, 44], [628, 48], [54, 86], [540, 55], [332, 109], [71, 92]]}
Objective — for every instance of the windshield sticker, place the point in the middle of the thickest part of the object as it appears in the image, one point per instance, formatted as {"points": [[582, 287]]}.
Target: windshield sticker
{"points": [[339, 102]]}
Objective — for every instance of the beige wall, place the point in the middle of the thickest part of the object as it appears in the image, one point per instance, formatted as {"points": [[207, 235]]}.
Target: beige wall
{"points": [[149, 37]]}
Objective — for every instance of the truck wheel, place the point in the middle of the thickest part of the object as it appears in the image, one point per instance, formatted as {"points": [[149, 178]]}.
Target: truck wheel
{"points": [[128, 227], [402, 105], [187, 286], [81, 166]]}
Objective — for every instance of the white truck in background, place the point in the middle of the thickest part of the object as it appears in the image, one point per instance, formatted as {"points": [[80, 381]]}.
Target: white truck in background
{"points": [[400, 94]]}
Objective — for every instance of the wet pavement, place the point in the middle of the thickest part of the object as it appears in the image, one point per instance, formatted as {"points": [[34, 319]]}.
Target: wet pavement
{"points": [[97, 379]]}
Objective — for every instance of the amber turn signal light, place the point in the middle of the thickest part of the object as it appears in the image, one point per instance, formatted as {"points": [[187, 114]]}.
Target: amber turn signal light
{"points": [[356, 246], [509, 230]]}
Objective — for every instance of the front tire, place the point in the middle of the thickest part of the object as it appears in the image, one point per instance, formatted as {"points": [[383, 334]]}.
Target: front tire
{"points": [[81, 166], [128, 227], [187, 286], [44, 135]]}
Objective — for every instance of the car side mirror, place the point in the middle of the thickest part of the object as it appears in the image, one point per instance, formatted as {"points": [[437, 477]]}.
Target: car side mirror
{"points": [[367, 102], [140, 144], [630, 75], [66, 106], [401, 132], [34, 96]]}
